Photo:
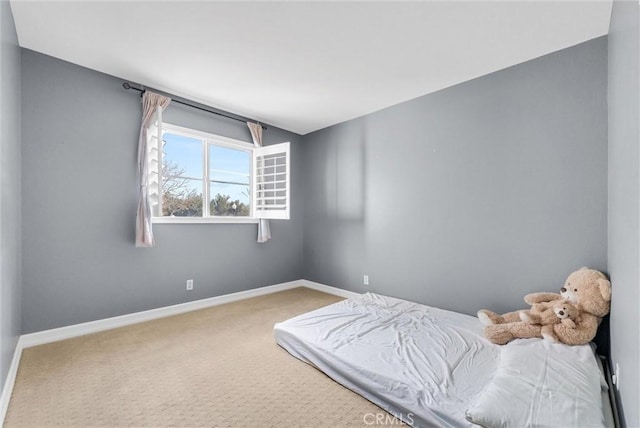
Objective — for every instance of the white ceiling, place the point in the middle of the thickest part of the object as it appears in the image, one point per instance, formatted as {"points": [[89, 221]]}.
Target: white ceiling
{"points": [[303, 66]]}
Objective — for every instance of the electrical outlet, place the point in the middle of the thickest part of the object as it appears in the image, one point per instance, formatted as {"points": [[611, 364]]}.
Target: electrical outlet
{"points": [[189, 284], [365, 280]]}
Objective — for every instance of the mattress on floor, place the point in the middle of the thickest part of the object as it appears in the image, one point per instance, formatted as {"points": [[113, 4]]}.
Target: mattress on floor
{"points": [[423, 365]]}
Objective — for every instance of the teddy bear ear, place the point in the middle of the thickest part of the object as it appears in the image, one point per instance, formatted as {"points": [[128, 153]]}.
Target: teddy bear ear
{"points": [[584, 268], [605, 289]]}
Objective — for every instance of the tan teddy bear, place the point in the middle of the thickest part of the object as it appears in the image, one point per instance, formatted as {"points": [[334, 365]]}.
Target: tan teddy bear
{"points": [[549, 314], [587, 288]]}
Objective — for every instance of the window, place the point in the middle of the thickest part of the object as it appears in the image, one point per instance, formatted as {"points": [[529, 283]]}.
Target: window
{"points": [[209, 178]]}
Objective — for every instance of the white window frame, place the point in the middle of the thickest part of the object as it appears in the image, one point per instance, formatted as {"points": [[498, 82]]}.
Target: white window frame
{"points": [[212, 139]]}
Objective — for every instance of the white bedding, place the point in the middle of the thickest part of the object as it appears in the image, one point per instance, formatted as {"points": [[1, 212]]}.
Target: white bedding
{"points": [[540, 384], [421, 364]]}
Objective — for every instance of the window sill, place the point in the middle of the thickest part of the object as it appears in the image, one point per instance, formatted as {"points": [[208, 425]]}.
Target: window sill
{"points": [[204, 220]]}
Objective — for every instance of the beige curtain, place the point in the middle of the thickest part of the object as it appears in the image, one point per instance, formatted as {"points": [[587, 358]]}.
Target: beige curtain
{"points": [[152, 106], [264, 233]]}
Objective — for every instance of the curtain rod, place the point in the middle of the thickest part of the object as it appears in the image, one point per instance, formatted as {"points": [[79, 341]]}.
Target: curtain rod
{"points": [[127, 86]]}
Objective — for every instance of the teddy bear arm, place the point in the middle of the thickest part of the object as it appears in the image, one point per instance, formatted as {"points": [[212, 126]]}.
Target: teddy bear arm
{"points": [[541, 297], [544, 308], [569, 323], [584, 332]]}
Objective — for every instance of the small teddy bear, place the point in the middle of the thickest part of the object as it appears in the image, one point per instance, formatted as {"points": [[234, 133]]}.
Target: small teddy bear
{"points": [[548, 314]]}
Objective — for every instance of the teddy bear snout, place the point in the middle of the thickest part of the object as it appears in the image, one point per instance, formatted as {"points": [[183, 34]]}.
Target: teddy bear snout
{"points": [[563, 290], [560, 312]]}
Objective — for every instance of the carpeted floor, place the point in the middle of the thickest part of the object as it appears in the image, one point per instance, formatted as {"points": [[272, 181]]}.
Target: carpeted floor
{"points": [[216, 367]]}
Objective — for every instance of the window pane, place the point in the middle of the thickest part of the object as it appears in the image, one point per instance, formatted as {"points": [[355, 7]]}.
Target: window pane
{"points": [[184, 199], [182, 156], [229, 165], [181, 176], [229, 199]]}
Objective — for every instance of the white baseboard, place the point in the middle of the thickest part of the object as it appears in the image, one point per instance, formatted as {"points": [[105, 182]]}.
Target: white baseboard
{"points": [[329, 289], [68, 332], [53, 335], [9, 382]]}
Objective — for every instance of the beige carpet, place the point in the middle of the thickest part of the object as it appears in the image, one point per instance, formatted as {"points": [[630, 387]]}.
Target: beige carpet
{"points": [[217, 367]]}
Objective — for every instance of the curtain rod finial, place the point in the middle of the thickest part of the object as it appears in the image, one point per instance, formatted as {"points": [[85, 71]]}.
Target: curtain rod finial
{"points": [[126, 85]]}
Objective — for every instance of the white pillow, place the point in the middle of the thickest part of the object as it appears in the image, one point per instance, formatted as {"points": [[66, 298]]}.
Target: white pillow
{"points": [[540, 384]]}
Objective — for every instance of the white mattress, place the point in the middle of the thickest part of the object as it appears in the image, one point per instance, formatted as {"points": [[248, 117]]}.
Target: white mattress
{"points": [[423, 365]]}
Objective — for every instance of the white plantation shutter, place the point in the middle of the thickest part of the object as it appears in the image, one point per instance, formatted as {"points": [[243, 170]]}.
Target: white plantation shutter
{"points": [[271, 197], [154, 160]]}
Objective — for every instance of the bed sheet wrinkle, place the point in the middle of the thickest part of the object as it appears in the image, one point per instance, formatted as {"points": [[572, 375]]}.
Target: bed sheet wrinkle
{"points": [[334, 334], [417, 368], [539, 388]]}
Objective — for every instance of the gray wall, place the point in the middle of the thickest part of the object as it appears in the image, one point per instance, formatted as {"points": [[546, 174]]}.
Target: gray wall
{"points": [[470, 197], [80, 131], [10, 242], [624, 190]]}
